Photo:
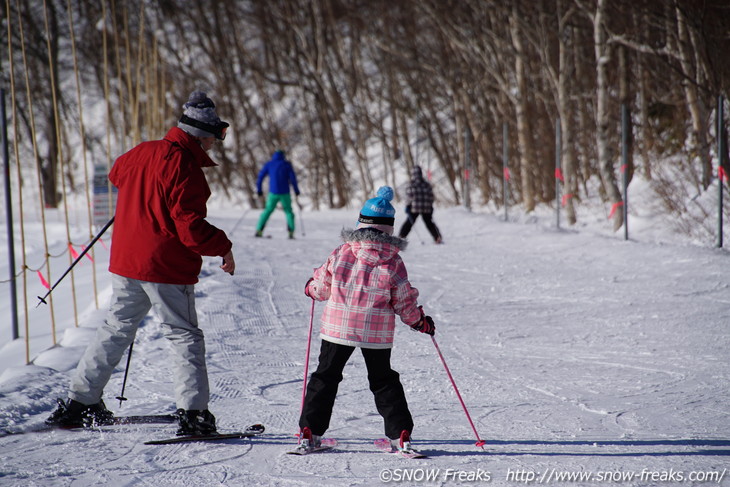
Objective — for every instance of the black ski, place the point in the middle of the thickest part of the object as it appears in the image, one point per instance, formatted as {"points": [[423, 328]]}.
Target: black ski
{"points": [[253, 430], [146, 419], [116, 420]]}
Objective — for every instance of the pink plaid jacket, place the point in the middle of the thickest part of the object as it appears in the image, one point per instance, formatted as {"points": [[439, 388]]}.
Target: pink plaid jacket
{"points": [[366, 285]]}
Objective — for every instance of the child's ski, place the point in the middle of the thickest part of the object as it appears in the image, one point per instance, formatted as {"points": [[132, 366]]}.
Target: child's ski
{"points": [[253, 430], [326, 444], [384, 445]]}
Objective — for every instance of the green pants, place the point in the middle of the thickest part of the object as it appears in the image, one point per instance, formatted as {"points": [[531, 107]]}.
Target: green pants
{"points": [[271, 201]]}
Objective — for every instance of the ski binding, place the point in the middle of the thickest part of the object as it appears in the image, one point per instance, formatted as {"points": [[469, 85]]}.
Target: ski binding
{"points": [[385, 445], [326, 444]]}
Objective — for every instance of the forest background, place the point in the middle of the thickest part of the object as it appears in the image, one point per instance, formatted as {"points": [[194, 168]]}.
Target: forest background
{"points": [[346, 86]]}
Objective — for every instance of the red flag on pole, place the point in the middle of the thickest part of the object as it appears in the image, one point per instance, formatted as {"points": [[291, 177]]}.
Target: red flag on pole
{"points": [[88, 256], [43, 281], [559, 175], [614, 208], [74, 254]]}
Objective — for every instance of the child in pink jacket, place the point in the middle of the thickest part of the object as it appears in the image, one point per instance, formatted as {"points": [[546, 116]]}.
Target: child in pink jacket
{"points": [[365, 284]]}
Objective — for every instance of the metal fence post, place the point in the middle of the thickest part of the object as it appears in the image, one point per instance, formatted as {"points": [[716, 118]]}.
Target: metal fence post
{"points": [[558, 171], [625, 164], [467, 168], [9, 218], [720, 169], [505, 167]]}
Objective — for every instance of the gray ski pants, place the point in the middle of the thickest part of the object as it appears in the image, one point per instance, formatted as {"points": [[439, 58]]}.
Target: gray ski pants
{"points": [[132, 299]]}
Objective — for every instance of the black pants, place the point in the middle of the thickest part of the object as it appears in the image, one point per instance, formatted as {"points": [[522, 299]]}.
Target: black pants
{"points": [[427, 219], [390, 399]]}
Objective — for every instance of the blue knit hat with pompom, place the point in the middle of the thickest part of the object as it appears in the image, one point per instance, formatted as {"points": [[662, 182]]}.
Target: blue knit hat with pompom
{"points": [[378, 210]]}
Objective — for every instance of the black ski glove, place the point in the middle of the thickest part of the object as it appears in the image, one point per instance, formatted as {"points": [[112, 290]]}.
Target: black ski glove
{"points": [[425, 324]]}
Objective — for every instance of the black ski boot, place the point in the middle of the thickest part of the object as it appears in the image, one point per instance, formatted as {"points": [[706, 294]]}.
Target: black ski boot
{"points": [[195, 423], [73, 414]]}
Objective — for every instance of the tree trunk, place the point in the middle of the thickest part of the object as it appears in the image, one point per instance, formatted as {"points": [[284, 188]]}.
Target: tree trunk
{"points": [[647, 135], [605, 164], [524, 129], [625, 98], [698, 138], [567, 156]]}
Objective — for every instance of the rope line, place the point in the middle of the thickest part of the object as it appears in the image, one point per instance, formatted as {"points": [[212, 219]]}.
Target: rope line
{"points": [[135, 99]]}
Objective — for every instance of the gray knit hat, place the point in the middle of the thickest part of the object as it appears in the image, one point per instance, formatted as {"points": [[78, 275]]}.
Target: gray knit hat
{"points": [[199, 118]]}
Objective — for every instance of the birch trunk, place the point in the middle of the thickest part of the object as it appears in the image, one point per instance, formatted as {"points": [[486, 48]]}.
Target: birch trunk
{"points": [[698, 138], [524, 131], [567, 156], [605, 164]]}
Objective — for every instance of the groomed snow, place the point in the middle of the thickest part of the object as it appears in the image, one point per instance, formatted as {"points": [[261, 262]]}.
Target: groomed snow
{"points": [[576, 352]]}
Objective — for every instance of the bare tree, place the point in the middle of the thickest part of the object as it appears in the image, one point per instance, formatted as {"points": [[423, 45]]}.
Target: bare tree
{"points": [[346, 86]]}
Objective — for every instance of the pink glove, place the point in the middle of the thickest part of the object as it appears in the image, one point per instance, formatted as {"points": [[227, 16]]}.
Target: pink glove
{"points": [[306, 288]]}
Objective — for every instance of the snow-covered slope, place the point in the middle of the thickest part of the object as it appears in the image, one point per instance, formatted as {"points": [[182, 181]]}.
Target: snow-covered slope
{"points": [[575, 353]]}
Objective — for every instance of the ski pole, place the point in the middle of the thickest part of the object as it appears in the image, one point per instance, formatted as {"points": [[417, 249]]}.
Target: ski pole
{"points": [[126, 371], [306, 359], [480, 442], [301, 218], [91, 244]]}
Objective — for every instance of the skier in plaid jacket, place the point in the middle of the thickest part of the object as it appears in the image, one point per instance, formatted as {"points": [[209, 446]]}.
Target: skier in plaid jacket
{"points": [[419, 201], [366, 285]]}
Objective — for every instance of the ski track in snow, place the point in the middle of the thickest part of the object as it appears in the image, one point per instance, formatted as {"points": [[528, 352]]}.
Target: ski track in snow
{"points": [[573, 352]]}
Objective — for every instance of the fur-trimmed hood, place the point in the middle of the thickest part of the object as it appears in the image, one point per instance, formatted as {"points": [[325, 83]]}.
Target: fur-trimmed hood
{"points": [[372, 246], [364, 234]]}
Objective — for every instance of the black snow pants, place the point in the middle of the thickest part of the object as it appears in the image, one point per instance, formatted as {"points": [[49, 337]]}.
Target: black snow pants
{"points": [[390, 399], [427, 219]]}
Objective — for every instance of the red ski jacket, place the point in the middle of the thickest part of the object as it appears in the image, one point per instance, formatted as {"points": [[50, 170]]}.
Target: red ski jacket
{"points": [[160, 231]]}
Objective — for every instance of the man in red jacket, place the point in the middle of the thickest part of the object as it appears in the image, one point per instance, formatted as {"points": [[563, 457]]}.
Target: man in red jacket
{"points": [[160, 236]]}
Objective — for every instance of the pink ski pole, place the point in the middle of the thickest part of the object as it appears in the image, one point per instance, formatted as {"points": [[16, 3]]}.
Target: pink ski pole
{"points": [[306, 360], [480, 442]]}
